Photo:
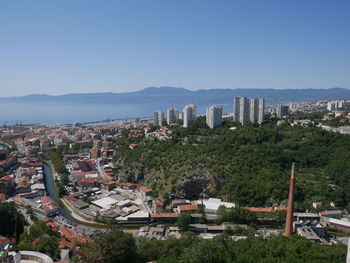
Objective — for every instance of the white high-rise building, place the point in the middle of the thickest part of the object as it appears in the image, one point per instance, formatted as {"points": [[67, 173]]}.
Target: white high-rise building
{"points": [[189, 114], [253, 110], [172, 115], [261, 110], [158, 118], [335, 104], [181, 115], [245, 110], [236, 109], [213, 116]]}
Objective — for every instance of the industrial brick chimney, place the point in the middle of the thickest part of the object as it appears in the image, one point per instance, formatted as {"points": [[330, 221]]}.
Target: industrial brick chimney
{"points": [[290, 209]]}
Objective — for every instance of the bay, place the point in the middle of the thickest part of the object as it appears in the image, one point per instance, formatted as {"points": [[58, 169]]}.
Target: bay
{"points": [[55, 113]]}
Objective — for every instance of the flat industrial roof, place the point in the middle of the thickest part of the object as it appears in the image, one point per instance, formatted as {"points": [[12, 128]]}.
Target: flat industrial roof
{"points": [[105, 202], [214, 203]]}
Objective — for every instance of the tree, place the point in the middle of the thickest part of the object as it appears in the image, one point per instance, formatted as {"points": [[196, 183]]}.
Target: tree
{"points": [[11, 221], [40, 237], [114, 247], [183, 221]]}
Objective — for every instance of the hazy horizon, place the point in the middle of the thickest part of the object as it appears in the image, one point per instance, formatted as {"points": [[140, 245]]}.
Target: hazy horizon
{"points": [[88, 46], [106, 92]]}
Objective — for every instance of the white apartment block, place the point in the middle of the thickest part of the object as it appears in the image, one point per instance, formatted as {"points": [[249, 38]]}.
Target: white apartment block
{"points": [[158, 118], [189, 114], [172, 115], [213, 116], [245, 110]]}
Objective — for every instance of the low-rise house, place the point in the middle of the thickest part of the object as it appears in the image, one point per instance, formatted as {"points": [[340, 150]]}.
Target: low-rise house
{"points": [[186, 208], [317, 205], [4, 242], [157, 205], [108, 185], [156, 232]]}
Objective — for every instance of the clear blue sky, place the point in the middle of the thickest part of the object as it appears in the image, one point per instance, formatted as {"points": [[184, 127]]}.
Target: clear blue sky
{"points": [[58, 47]]}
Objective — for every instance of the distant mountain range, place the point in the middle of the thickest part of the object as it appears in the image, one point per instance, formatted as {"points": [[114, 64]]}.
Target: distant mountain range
{"points": [[178, 96]]}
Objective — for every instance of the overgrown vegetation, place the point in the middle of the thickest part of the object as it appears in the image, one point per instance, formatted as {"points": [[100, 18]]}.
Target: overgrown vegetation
{"points": [[40, 237], [59, 167], [252, 163], [11, 222], [120, 247]]}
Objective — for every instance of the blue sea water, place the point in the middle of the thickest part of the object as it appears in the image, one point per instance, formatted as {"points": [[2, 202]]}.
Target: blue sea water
{"points": [[49, 113]]}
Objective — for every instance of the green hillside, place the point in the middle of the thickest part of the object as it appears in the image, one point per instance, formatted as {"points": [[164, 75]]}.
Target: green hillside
{"points": [[250, 165]]}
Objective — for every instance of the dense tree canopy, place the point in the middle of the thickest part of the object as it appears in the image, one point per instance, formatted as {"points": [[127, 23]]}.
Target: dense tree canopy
{"points": [[40, 237], [115, 247], [253, 163], [11, 221], [120, 247], [57, 162]]}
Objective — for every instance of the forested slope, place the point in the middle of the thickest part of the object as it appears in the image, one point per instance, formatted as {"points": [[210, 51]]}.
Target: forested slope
{"points": [[250, 165]]}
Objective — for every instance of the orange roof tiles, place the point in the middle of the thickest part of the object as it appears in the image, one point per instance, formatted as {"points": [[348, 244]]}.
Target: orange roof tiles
{"points": [[259, 209], [6, 178], [164, 215], [145, 189], [70, 197], [2, 197], [188, 207], [67, 233]]}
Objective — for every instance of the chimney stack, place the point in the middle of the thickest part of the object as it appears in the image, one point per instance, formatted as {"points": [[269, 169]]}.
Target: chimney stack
{"points": [[290, 209]]}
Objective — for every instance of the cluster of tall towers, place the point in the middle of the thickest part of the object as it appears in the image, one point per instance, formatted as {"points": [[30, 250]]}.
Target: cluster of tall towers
{"points": [[188, 114], [245, 110]]}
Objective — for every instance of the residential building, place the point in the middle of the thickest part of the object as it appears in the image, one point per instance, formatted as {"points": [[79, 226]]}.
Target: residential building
{"points": [[245, 110], [335, 104], [253, 110], [261, 110], [172, 115], [158, 118], [189, 114], [214, 116], [282, 110]]}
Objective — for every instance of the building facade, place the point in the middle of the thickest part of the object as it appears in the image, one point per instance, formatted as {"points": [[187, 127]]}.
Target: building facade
{"points": [[245, 110], [189, 114], [282, 110], [172, 115], [213, 116], [158, 118]]}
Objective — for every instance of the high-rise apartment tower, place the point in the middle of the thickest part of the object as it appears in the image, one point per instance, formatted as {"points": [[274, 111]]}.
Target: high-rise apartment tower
{"points": [[213, 116]]}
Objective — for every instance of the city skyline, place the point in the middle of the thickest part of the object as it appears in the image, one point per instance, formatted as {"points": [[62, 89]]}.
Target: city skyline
{"points": [[86, 46]]}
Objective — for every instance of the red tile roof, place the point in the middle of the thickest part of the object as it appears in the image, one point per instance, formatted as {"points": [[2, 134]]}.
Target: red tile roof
{"points": [[188, 207], [165, 215], [3, 239], [3, 197], [6, 178], [259, 209], [70, 197], [145, 189]]}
